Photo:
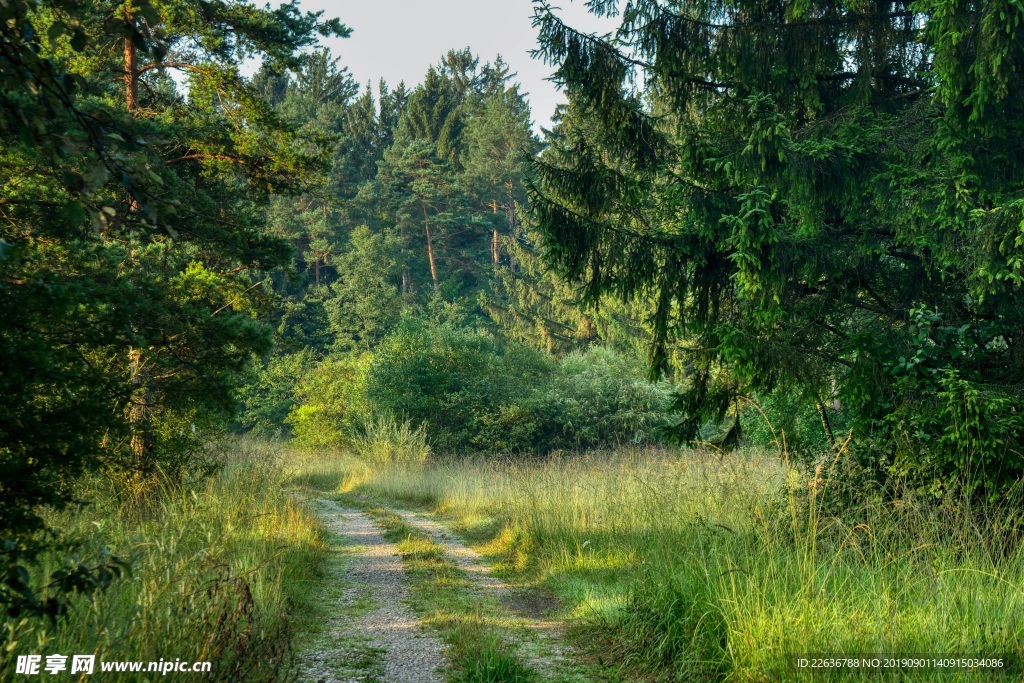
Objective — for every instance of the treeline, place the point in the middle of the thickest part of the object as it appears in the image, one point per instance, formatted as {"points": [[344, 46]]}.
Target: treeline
{"points": [[417, 292]]}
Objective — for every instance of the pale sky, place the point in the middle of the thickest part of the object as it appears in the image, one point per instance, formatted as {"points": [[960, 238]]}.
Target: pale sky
{"points": [[399, 39]]}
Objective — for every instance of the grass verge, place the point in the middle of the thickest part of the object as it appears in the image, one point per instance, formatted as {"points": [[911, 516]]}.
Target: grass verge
{"points": [[224, 573]]}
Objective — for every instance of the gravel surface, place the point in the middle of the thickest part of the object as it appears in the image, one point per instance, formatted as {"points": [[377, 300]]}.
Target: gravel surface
{"points": [[527, 609], [385, 641]]}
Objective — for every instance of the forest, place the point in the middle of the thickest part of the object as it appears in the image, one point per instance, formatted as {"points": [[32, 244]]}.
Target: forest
{"points": [[717, 377]]}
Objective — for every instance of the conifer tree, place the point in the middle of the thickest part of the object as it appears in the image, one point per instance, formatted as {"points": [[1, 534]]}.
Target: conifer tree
{"points": [[820, 194], [132, 250], [499, 143]]}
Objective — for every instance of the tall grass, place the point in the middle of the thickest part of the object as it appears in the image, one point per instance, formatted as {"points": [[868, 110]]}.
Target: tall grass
{"points": [[701, 566], [384, 441], [216, 575]]}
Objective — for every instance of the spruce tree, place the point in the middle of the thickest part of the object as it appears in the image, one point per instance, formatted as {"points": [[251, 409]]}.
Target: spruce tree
{"points": [[825, 195]]}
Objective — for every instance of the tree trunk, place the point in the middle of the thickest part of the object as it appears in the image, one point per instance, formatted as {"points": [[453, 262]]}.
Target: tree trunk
{"points": [[142, 443], [430, 253], [495, 248], [825, 423], [511, 215], [131, 71]]}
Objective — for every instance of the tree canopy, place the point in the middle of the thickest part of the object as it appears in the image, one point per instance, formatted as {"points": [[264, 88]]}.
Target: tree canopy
{"points": [[132, 247], [819, 195]]}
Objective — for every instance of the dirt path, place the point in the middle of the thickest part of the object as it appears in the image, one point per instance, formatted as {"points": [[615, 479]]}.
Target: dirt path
{"points": [[540, 637], [372, 634]]}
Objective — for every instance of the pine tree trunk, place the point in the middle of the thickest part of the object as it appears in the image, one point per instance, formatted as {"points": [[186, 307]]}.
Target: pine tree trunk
{"points": [[142, 444], [511, 214], [131, 71], [495, 248], [433, 264], [430, 253]]}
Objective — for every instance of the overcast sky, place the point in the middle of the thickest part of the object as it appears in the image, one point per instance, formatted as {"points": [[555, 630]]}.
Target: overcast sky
{"points": [[398, 39]]}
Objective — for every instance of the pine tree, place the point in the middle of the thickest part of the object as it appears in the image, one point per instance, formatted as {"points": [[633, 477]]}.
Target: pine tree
{"points": [[434, 113], [133, 250], [499, 143]]}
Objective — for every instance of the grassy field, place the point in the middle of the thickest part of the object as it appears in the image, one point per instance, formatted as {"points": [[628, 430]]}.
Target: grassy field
{"points": [[698, 566], [221, 574], [673, 566]]}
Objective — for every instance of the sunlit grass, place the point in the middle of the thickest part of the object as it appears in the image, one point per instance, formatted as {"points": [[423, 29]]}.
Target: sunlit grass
{"points": [[218, 574], [699, 564]]}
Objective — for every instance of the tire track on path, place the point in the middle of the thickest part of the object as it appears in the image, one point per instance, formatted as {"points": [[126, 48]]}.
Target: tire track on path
{"points": [[538, 636], [384, 642]]}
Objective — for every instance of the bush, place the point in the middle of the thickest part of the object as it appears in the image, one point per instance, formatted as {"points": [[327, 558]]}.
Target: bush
{"points": [[465, 390], [786, 412], [964, 436], [473, 392], [269, 394], [330, 403], [450, 380], [600, 397]]}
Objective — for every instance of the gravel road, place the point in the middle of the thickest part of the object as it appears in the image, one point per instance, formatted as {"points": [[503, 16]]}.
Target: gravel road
{"points": [[384, 642], [526, 609]]}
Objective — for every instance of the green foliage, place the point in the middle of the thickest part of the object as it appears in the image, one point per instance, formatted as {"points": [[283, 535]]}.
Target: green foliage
{"points": [[962, 434], [268, 396], [600, 398], [329, 402], [786, 415], [817, 197], [470, 392], [531, 303], [449, 379], [365, 301]]}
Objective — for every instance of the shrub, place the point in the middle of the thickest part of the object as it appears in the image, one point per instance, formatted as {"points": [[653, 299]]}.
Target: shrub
{"points": [[466, 390], [453, 380], [600, 397], [330, 403], [787, 413], [269, 394], [965, 436]]}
